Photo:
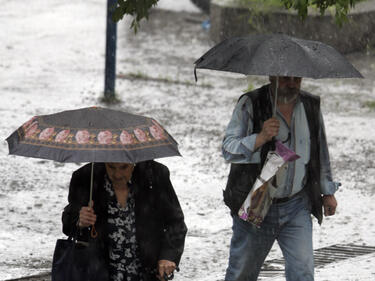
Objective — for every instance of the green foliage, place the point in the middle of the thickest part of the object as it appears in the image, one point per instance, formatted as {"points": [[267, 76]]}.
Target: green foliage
{"points": [[137, 8], [262, 3], [258, 9], [341, 7]]}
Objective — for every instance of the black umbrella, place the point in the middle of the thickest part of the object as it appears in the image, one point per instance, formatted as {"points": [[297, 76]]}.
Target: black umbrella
{"points": [[92, 134], [277, 55]]}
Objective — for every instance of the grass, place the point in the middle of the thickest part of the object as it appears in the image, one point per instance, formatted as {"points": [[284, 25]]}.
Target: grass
{"points": [[370, 104], [261, 3], [169, 80], [110, 99], [250, 87]]}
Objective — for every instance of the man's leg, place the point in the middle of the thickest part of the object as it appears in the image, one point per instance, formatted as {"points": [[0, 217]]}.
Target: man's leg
{"points": [[295, 240], [248, 250]]}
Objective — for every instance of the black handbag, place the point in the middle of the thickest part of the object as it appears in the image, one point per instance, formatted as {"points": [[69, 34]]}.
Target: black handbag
{"points": [[78, 261]]}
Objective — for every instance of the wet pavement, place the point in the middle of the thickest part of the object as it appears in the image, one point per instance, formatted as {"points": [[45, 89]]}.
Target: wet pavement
{"points": [[157, 64]]}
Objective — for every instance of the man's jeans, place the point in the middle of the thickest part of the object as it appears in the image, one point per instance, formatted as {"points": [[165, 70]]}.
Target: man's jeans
{"points": [[290, 224]]}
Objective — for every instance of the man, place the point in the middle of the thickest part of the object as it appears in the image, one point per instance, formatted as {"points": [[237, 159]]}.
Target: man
{"points": [[303, 186]]}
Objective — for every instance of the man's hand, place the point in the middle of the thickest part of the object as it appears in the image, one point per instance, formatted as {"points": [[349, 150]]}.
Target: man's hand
{"points": [[270, 129], [329, 204], [165, 266], [87, 217]]}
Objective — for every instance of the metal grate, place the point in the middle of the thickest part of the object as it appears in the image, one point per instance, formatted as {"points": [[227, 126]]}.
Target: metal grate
{"points": [[322, 257], [275, 267]]}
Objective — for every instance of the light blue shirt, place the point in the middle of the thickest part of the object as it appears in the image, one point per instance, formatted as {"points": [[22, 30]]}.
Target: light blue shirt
{"points": [[239, 141]]}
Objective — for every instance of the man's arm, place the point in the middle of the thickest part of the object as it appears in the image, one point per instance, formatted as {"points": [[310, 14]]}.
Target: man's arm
{"points": [[240, 145], [328, 186]]}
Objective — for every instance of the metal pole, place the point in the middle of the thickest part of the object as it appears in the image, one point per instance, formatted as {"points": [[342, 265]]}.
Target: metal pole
{"points": [[93, 232], [91, 184], [110, 53], [275, 103]]}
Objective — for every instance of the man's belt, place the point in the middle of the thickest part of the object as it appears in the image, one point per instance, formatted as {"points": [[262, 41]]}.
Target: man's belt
{"points": [[286, 199]]}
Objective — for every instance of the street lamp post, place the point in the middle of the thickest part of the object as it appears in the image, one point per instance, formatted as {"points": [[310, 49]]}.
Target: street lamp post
{"points": [[110, 54]]}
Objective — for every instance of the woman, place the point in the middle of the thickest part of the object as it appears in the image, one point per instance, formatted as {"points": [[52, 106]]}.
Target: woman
{"points": [[136, 213]]}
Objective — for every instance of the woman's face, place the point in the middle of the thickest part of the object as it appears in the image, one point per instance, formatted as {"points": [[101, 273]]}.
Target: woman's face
{"points": [[119, 173]]}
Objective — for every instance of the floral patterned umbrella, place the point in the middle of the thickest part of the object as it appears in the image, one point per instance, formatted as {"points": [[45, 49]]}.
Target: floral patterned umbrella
{"points": [[92, 134]]}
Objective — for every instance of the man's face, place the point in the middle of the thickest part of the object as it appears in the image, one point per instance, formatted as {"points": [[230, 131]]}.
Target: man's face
{"points": [[289, 88], [119, 173]]}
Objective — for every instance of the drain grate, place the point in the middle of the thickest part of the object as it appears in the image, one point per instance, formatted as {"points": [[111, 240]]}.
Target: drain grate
{"points": [[322, 257], [275, 267]]}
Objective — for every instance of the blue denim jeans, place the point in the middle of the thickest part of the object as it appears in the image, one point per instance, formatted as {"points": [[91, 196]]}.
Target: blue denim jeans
{"points": [[290, 224]]}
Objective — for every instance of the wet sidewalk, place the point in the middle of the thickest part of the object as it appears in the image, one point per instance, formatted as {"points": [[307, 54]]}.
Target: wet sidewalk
{"points": [[53, 59]]}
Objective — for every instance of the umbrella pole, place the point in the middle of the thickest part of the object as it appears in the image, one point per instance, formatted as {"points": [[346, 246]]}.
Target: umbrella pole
{"points": [[91, 184], [94, 234], [275, 102]]}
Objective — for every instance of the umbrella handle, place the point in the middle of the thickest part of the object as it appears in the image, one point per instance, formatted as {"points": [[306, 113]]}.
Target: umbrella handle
{"points": [[91, 183], [93, 233], [195, 74]]}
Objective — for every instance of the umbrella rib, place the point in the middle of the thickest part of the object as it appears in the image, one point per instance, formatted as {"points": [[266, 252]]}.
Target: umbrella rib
{"points": [[308, 54]]}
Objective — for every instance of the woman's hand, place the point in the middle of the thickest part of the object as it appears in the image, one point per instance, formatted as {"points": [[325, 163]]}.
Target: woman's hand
{"points": [[165, 266], [87, 216]]}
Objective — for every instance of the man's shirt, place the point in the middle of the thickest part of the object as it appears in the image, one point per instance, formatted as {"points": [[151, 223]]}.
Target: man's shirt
{"points": [[239, 141]]}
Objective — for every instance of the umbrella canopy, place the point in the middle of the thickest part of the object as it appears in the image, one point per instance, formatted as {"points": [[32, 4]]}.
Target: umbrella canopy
{"points": [[277, 55], [92, 134]]}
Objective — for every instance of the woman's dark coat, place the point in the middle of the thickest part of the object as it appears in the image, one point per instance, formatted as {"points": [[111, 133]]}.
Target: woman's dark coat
{"points": [[160, 227]]}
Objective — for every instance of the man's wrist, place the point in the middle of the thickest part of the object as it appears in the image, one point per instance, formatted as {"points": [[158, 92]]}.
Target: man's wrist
{"points": [[259, 141]]}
